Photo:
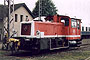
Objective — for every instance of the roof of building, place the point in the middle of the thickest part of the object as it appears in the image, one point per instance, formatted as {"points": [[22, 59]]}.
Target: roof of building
{"points": [[16, 6], [25, 6]]}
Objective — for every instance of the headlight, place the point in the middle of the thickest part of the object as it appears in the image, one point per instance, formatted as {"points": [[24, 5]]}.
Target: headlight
{"points": [[72, 42], [27, 39]]}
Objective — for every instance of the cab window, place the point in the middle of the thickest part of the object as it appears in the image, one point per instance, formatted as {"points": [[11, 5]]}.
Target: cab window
{"points": [[65, 21], [78, 24], [73, 23]]}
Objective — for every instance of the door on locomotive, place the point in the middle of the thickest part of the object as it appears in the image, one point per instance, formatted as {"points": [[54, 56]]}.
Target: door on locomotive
{"points": [[65, 20], [75, 30]]}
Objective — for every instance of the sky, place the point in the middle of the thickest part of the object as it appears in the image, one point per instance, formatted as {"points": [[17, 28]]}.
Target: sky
{"points": [[73, 8]]}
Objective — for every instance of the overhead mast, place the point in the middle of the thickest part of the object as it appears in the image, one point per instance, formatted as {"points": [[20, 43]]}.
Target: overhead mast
{"points": [[8, 28], [40, 9]]}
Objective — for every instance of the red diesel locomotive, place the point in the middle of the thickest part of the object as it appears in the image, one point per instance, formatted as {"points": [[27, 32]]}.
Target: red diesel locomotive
{"points": [[55, 32]]}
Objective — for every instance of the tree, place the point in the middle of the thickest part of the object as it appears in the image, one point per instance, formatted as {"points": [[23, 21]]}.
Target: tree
{"points": [[48, 8]]}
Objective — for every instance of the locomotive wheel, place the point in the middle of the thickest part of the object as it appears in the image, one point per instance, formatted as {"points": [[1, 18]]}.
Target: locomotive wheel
{"points": [[13, 47], [4, 46], [36, 49]]}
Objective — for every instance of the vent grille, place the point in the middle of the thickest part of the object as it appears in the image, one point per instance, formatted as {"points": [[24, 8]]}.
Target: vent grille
{"points": [[26, 29]]}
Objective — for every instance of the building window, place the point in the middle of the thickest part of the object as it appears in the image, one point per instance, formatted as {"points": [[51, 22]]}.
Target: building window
{"points": [[82, 28], [86, 28], [21, 18], [16, 16], [26, 18]]}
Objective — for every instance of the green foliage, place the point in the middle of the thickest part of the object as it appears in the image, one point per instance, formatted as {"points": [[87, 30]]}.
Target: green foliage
{"points": [[48, 8]]}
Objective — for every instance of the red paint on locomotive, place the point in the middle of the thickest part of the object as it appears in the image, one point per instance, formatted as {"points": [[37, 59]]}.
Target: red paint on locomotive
{"points": [[59, 26]]}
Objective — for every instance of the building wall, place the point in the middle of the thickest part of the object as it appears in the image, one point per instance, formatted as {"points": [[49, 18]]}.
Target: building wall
{"points": [[19, 11], [1, 30], [24, 12]]}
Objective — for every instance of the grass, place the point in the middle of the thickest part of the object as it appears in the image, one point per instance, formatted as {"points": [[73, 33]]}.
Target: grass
{"points": [[64, 56]]}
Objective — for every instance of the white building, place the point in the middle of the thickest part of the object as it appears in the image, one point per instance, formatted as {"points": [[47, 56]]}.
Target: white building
{"points": [[22, 13]]}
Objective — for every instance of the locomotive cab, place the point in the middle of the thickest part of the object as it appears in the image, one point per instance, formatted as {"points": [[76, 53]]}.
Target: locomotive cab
{"points": [[71, 29]]}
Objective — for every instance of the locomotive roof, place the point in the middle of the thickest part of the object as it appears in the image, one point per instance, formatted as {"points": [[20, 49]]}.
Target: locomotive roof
{"points": [[76, 18], [59, 15], [63, 16]]}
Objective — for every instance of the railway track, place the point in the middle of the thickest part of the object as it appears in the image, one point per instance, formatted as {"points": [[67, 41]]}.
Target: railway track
{"points": [[83, 47], [46, 53]]}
